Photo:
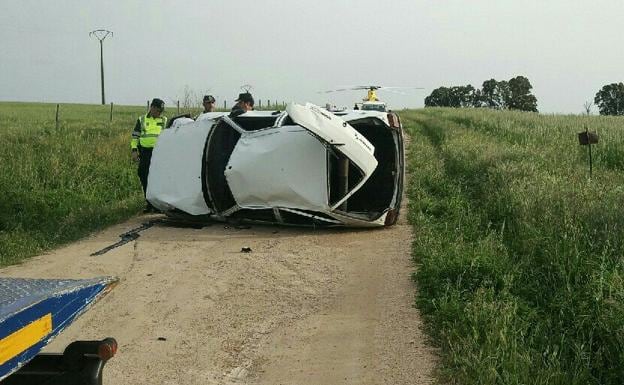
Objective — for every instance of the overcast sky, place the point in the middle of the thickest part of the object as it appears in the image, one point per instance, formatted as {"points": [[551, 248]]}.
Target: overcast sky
{"points": [[291, 50]]}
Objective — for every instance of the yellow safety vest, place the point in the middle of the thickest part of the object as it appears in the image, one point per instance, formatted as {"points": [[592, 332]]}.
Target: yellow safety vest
{"points": [[150, 130]]}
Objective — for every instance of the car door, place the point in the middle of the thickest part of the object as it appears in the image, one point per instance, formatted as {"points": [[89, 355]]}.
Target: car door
{"points": [[338, 134]]}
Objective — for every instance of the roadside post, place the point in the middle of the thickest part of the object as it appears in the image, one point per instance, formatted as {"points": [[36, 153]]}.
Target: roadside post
{"points": [[111, 112], [587, 138], [178, 107], [57, 116]]}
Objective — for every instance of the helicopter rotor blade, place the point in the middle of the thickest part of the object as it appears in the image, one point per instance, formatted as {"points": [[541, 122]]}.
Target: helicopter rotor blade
{"points": [[372, 87], [336, 90], [356, 88], [367, 87], [394, 91], [401, 88]]}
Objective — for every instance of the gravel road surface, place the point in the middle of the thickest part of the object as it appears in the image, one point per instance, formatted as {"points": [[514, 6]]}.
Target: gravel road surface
{"points": [[304, 306]]}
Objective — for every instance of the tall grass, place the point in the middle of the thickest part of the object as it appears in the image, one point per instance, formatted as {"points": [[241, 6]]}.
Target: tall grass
{"points": [[57, 185], [521, 273]]}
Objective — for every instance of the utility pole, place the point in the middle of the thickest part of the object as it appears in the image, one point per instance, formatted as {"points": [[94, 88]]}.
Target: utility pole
{"points": [[101, 34]]}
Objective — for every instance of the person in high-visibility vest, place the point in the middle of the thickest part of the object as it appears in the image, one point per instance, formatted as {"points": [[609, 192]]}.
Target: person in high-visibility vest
{"points": [[144, 138]]}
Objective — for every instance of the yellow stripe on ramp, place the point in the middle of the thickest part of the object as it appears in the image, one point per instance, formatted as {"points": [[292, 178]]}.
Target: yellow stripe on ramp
{"points": [[24, 338]]}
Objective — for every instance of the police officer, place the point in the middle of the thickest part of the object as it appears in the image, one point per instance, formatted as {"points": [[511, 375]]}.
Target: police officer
{"points": [[144, 138], [209, 103], [244, 103]]}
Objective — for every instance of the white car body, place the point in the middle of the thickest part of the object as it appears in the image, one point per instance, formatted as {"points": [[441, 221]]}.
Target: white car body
{"points": [[303, 166]]}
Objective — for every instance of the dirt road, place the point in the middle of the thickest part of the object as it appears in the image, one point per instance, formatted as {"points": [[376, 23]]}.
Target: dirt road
{"points": [[303, 307]]}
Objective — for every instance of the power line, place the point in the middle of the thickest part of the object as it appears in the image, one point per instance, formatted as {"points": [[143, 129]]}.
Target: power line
{"points": [[101, 34]]}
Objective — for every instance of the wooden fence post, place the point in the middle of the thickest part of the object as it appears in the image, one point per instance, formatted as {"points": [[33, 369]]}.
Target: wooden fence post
{"points": [[178, 107], [57, 116], [111, 112], [148, 106]]}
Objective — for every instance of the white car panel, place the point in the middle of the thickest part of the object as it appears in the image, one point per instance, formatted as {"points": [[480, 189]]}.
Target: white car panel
{"points": [[349, 115], [174, 180], [285, 167], [336, 132]]}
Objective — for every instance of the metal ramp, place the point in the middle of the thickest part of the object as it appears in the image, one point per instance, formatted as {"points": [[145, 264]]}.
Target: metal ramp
{"points": [[34, 311]]}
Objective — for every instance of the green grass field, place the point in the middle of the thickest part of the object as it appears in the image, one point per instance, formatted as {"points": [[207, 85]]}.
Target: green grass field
{"points": [[519, 253], [58, 185]]}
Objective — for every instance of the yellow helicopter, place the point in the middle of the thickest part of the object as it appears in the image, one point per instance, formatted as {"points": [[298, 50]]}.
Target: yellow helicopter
{"points": [[371, 102]]}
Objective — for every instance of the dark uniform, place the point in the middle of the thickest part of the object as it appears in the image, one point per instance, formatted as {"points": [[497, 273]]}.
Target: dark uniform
{"points": [[244, 103], [144, 138]]}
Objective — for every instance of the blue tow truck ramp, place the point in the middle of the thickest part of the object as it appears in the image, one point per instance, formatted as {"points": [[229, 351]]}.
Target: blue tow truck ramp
{"points": [[34, 311]]}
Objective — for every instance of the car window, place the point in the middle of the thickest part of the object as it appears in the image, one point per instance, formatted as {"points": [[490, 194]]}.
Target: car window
{"points": [[374, 107], [254, 123], [337, 188]]}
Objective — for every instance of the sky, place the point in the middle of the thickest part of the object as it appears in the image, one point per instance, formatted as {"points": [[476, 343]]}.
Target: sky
{"points": [[294, 50]]}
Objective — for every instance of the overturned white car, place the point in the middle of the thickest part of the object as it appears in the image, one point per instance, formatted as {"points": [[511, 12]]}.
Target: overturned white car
{"points": [[303, 166]]}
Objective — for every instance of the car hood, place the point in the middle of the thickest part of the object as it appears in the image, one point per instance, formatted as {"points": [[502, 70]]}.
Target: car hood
{"points": [[335, 132], [338, 134]]}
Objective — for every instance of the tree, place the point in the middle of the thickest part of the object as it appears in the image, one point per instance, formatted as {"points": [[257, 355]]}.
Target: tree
{"points": [[610, 99], [477, 99], [520, 95], [505, 93], [463, 96], [440, 97], [495, 94], [457, 96], [490, 96]]}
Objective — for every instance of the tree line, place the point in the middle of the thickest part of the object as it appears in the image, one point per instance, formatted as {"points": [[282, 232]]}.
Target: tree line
{"points": [[515, 94], [512, 94]]}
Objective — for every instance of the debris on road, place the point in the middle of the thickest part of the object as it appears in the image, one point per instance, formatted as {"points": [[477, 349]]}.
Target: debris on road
{"points": [[128, 236]]}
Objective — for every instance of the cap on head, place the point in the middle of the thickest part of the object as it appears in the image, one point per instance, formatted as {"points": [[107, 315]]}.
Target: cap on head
{"points": [[245, 97], [209, 98], [158, 103]]}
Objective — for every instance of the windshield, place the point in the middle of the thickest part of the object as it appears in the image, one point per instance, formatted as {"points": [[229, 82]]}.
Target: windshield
{"points": [[374, 107]]}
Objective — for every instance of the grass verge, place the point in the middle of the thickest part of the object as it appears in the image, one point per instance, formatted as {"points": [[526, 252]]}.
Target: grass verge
{"points": [[60, 184], [520, 255]]}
